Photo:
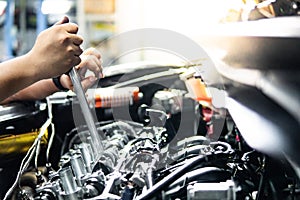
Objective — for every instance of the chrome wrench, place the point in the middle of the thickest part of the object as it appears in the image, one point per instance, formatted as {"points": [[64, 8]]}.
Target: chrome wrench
{"points": [[96, 143]]}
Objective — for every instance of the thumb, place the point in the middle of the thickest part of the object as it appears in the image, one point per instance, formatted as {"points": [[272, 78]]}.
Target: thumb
{"points": [[64, 20]]}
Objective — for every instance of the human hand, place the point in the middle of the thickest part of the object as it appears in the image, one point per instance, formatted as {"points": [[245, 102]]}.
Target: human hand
{"points": [[56, 50], [90, 60]]}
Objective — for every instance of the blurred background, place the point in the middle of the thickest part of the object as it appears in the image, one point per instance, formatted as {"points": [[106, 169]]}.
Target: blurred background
{"points": [[22, 20]]}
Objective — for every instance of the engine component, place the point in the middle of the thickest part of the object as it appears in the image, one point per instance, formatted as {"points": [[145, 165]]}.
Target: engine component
{"points": [[113, 97], [198, 90], [15, 137], [209, 191], [134, 165], [169, 100], [128, 168]]}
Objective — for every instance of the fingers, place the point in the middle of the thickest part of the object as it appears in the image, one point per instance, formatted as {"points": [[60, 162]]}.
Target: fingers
{"points": [[56, 49], [94, 56], [77, 39], [70, 38], [70, 27], [92, 63], [88, 82], [75, 60], [92, 51], [74, 52], [91, 60], [66, 82], [64, 20]]}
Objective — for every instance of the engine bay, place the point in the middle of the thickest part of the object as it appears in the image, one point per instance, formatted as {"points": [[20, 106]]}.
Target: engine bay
{"points": [[160, 138]]}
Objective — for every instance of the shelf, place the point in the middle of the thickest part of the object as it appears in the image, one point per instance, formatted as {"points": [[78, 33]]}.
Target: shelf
{"points": [[90, 15], [100, 17]]}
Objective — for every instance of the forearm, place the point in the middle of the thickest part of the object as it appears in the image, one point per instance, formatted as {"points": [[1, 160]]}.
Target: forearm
{"points": [[55, 51], [15, 76], [36, 91]]}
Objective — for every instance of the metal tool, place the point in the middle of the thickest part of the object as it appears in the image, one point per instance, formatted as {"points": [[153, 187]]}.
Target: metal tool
{"points": [[96, 143]]}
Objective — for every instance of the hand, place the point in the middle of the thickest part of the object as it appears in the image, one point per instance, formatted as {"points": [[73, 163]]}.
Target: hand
{"points": [[56, 50], [90, 60]]}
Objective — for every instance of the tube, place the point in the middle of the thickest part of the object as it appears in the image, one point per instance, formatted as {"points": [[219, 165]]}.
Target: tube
{"points": [[172, 177]]}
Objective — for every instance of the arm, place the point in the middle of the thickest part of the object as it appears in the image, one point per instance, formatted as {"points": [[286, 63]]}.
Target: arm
{"points": [[14, 76], [90, 60], [38, 90], [55, 51]]}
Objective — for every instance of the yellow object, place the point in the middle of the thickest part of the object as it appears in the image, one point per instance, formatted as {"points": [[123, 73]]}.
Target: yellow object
{"points": [[16, 144]]}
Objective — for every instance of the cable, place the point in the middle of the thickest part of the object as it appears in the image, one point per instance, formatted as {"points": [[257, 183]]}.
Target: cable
{"points": [[52, 129], [37, 151], [34, 149], [50, 142], [43, 131], [23, 166]]}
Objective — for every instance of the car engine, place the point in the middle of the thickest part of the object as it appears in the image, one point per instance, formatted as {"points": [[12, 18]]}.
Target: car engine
{"points": [[174, 146]]}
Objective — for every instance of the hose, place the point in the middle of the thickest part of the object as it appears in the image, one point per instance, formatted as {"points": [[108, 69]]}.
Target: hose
{"points": [[203, 174], [172, 177]]}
